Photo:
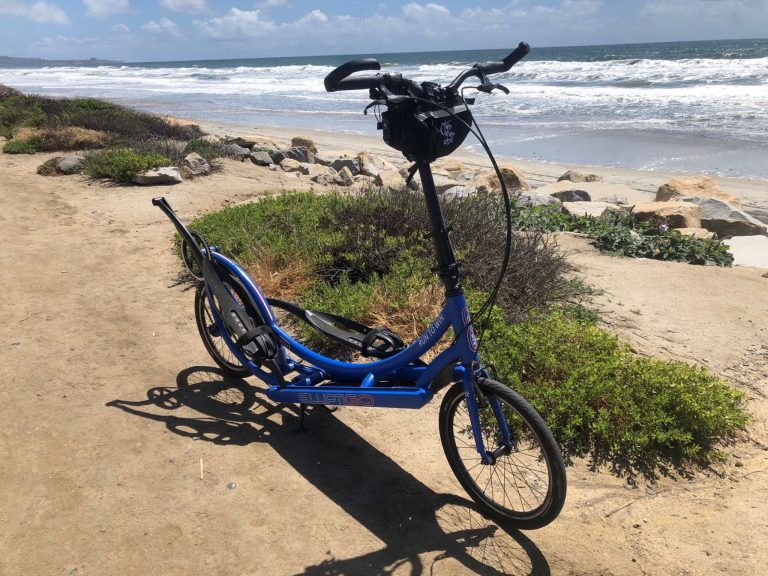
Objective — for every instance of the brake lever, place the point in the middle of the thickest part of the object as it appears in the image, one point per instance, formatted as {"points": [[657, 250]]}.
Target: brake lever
{"points": [[487, 87]]}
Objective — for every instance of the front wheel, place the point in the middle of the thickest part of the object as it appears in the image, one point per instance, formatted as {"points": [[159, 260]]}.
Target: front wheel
{"points": [[523, 482]]}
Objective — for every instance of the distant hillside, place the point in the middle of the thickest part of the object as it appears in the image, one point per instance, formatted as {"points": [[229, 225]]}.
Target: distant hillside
{"points": [[12, 62]]}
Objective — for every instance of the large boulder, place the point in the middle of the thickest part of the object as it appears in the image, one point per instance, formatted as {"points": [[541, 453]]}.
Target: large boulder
{"points": [[390, 179], [236, 151], [512, 178], [351, 164], [261, 158], [304, 142], [696, 186], [674, 214], [194, 165], [70, 164], [572, 196], [574, 176], [443, 182], [158, 176], [291, 165], [724, 219], [450, 165], [344, 177], [534, 198], [298, 153], [457, 192], [749, 251], [594, 209]]}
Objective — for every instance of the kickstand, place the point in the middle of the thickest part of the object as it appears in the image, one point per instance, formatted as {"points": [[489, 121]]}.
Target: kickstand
{"points": [[302, 413]]}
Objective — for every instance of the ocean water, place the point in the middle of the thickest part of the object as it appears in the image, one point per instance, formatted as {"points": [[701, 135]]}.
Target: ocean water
{"points": [[689, 106]]}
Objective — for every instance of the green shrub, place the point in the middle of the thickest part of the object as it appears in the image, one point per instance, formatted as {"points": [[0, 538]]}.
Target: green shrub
{"points": [[19, 147], [208, 150], [121, 164], [600, 399], [368, 256]]}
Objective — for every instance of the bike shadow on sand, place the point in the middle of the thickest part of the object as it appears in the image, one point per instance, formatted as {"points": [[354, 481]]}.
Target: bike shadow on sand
{"points": [[410, 518]]}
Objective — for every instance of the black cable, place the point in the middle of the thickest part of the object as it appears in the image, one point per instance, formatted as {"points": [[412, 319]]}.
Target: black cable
{"points": [[490, 302]]}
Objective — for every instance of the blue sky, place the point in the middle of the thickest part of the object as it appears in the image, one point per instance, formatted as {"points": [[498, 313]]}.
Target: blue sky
{"points": [[146, 30]]}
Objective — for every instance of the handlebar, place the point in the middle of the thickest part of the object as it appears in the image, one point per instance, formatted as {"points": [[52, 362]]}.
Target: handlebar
{"points": [[337, 79], [480, 70]]}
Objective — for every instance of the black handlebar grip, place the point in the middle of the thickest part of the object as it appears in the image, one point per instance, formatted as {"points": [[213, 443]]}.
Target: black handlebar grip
{"points": [[518, 54], [514, 57], [333, 81]]}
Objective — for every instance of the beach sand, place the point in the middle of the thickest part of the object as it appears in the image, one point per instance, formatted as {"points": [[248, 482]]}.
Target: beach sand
{"points": [[124, 452]]}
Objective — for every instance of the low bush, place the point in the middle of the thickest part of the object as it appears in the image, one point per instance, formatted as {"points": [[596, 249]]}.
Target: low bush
{"points": [[619, 233], [600, 399], [19, 147], [366, 257], [121, 164]]}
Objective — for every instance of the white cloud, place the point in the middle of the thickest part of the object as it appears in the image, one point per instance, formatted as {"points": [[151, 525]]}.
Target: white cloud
{"points": [[184, 5], [236, 24], [121, 28], [103, 8], [162, 26], [41, 12]]}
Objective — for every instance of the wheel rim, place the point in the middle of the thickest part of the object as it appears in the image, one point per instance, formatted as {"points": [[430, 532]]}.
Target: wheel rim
{"points": [[517, 482], [211, 334]]}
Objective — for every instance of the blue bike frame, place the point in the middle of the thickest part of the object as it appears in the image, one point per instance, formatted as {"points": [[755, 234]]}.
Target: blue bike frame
{"points": [[398, 381]]}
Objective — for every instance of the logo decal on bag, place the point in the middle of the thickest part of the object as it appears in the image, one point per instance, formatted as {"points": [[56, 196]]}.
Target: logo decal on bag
{"points": [[446, 129]]}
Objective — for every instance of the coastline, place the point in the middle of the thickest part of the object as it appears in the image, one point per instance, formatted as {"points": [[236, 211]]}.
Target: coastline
{"points": [[644, 183]]}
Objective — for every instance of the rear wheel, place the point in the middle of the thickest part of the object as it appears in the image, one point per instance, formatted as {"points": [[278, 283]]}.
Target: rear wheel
{"points": [[524, 482], [212, 338]]}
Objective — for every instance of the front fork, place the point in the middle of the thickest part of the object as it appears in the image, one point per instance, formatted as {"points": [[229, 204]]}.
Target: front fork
{"points": [[477, 401]]}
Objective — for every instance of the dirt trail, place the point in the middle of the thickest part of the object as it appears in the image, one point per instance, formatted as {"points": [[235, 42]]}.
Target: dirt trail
{"points": [[124, 452]]}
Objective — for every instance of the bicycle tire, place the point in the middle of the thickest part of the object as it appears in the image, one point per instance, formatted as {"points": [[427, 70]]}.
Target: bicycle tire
{"points": [[214, 343], [534, 458]]}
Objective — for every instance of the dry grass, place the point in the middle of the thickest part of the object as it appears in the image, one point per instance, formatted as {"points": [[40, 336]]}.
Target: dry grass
{"points": [[72, 138], [48, 168], [284, 284]]}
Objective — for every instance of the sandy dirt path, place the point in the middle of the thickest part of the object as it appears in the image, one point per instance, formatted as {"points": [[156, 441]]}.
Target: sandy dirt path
{"points": [[125, 452]]}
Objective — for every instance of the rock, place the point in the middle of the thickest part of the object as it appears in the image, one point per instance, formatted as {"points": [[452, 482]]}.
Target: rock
{"points": [[70, 164], [273, 167], [324, 159], [574, 176], [457, 192], [344, 177], [442, 182], [534, 198], [724, 219], [572, 196], [367, 165], [466, 176], [390, 179], [236, 151], [749, 251], [300, 154], [512, 178], [351, 164], [291, 165], [194, 165], [244, 142], [156, 176], [614, 199], [594, 209], [450, 165], [674, 214], [697, 186], [304, 142], [261, 158], [696, 232]]}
